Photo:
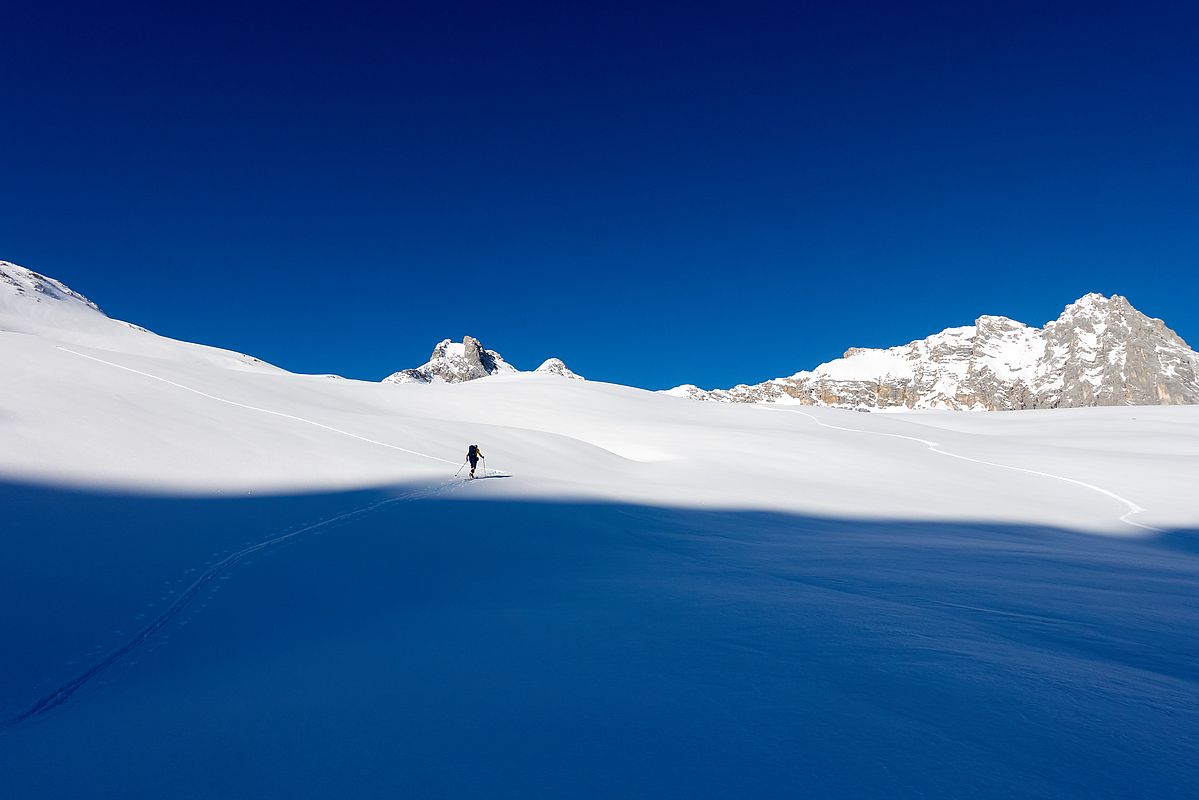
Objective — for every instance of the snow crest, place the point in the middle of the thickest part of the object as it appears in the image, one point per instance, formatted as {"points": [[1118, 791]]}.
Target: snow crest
{"points": [[25, 286], [555, 366], [37, 305]]}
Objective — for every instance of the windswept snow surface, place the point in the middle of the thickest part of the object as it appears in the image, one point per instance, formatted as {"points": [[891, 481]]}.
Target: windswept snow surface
{"points": [[222, 579]]}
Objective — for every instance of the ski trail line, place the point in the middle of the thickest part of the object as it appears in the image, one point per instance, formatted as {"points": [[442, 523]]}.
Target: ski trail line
{"points": [[256, 408], [1132, 507], [63, 691]]}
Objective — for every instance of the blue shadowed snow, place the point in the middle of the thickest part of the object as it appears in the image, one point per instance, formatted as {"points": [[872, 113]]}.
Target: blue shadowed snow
{"points": [[442, 648]]}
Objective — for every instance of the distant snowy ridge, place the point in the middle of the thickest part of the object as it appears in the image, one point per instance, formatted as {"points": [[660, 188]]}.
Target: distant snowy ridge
{"points": [[453, 362], [1100, 352], [37, 305]]}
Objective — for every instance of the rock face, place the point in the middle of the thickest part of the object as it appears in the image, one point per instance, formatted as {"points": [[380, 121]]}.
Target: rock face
{"points": [[1100, 352], [455, 363], [554, 366]]}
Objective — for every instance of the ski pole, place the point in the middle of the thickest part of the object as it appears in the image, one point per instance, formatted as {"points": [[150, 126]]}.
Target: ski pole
{"points": [[484, 460], [459, 472]]}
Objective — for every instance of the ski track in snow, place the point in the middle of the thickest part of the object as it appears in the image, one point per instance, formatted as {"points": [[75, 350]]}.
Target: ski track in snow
{"points": [[256, 408], [1132, 507], [63, 692]]}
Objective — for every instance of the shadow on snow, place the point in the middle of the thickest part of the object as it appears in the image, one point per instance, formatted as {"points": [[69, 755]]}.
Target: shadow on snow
{"points": [[385, 641]]}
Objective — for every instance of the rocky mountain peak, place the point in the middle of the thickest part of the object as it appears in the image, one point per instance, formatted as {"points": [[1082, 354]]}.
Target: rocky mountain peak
{"points": [[989, 322], [468, 360], [1100, 351], [1108, 353], [455, 362], [1096, 302]]}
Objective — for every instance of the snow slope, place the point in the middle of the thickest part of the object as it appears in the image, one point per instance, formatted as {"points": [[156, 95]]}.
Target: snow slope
{"points": [[655, 597], [87, 416], [41, 307], [89, 401]]}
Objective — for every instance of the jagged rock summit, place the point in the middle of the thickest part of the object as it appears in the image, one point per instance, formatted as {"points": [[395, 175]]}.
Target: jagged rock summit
{"points": [[1100, 352], [452, 362]]}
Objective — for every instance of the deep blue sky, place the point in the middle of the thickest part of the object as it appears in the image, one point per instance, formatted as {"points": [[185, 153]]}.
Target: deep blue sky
{"points": [[701, 192]]}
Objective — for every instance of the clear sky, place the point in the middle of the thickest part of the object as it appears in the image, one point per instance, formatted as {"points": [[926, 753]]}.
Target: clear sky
{"points": [[656, 193]]}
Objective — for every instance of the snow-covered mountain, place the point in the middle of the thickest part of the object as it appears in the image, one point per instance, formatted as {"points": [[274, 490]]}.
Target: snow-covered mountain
{"points": [[26, 286], [658, 595], [554, 366], [454, 362], [1100, 352], [37, 305]]}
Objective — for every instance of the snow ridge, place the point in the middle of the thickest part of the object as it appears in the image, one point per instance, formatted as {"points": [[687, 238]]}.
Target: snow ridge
{"points": [[29, 286], [554, 366], [37, 305]]}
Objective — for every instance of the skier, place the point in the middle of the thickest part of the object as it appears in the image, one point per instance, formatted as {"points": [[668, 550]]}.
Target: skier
{"points": [[473, 454]]}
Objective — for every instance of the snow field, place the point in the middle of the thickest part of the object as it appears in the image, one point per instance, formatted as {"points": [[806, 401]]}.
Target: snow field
{"points": [[226, 580], [91, 417]]}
